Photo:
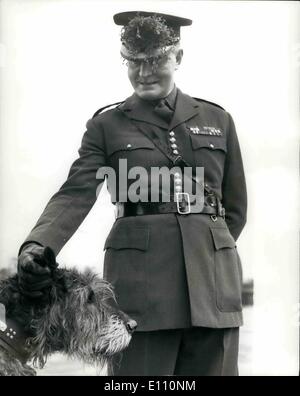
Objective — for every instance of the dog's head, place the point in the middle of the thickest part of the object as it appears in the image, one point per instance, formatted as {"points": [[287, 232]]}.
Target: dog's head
{"points": [[79, 317]]}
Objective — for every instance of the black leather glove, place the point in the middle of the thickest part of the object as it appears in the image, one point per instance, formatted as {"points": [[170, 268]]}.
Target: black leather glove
{"points": [[35, 268]]}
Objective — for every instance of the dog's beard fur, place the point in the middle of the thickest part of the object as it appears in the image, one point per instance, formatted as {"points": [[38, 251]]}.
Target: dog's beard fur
{"points": [[78, 320], [114, 337]]}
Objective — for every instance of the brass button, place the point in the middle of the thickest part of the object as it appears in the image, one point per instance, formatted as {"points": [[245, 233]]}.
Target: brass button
{"points": [[172, 140], [175, 152], [172, 133], [212, 145], [174, 146], [129, 145]]}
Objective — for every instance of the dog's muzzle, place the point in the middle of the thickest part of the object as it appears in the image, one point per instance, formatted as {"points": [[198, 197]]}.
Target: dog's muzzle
{"points": [[131, 326]]}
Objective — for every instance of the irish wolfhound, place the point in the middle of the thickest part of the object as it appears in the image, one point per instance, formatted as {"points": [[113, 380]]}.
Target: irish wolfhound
{"points": [[78, 317]]}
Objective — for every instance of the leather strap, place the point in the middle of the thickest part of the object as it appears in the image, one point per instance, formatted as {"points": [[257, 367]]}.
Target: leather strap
{"points": [[124, 209], [13, 340]]}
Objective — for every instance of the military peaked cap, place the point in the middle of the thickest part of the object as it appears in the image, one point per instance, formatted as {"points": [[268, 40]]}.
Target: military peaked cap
{"points": [[148, 34], [123, 18]]}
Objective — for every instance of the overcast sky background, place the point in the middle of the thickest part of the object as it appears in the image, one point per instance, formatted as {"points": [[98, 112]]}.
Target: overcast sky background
{"points": [[60, 62]]}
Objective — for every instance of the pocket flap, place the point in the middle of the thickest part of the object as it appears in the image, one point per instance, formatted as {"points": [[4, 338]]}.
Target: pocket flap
{"points": [[211, 143], [129, 144], [222, 238], [128, 238]]}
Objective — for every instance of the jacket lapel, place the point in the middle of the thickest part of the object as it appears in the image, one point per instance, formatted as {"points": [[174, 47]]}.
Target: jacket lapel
{"points": [[186, 108], [140, 110]]}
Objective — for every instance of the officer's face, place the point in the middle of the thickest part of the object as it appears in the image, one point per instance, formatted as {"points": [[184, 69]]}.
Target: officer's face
{"points": [[154, 80]]}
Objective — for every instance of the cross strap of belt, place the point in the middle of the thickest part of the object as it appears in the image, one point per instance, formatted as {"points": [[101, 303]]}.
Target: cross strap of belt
{"points": [[13, 340], [177, 160]]}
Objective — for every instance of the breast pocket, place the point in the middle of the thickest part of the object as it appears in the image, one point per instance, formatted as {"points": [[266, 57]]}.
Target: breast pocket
{"points": [[228, 273], [128, 147], [125, 265], [210, 152], [211, 143]]}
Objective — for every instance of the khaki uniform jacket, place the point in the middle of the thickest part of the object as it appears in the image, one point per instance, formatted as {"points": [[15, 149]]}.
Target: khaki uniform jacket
{"points": [[168, 270]]}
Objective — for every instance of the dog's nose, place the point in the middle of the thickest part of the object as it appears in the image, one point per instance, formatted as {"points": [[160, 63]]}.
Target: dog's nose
{"points": [[131, 325]]}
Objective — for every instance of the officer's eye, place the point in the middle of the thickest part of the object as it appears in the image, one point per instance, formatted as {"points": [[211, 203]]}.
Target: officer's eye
{"points": [[156, 61], [134, 62], [131, 62]]}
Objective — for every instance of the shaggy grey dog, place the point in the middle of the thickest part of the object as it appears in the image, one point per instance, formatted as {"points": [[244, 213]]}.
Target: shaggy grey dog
{"points": [[78, 316]]}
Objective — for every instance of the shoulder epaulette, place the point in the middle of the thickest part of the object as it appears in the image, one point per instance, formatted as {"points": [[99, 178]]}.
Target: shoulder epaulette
{"points": [[106, 108], [207, 101]]}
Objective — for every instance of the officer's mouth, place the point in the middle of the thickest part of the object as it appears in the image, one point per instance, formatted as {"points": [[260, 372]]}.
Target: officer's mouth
{"points": [[147, 83]]}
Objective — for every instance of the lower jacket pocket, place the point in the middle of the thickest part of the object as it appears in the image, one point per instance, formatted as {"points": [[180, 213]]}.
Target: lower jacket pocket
{"points": [[125, 266], [227, 271]]}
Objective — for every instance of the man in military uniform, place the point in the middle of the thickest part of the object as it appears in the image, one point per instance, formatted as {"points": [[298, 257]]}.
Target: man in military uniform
{"points": [[174, 265]]}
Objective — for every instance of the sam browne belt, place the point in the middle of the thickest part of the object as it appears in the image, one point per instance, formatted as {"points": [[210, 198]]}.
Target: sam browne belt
{"points": [[182, 205]]}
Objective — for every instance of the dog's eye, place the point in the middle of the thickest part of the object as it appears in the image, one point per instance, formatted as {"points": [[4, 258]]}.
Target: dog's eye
{"points": [[91, 297]]}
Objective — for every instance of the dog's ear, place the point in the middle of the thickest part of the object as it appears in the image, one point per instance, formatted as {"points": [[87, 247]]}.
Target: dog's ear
{"points": [[63, 280], [68, 280]]}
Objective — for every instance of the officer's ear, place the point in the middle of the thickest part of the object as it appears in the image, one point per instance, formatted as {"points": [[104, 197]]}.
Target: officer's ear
{"points": [[179, 55]]}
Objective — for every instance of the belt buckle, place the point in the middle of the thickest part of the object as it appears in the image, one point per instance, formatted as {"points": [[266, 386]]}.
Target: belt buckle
{"points": [[186, 209]]}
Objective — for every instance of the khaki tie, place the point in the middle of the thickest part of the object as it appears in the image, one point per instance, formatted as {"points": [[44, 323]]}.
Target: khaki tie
{"points": [[164, 110]]}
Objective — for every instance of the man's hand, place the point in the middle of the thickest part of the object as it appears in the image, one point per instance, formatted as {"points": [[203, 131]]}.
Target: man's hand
{"points": [[35, 266]]}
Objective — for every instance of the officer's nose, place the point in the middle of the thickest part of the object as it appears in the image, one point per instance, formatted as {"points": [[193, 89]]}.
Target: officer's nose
{"points": [[145, 69], [131, 325]]}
